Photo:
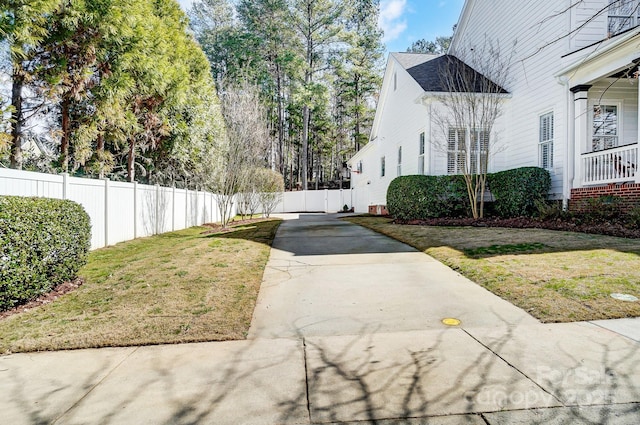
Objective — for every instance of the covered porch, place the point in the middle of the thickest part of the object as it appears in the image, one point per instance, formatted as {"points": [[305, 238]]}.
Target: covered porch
{"points": [[603, 119]]}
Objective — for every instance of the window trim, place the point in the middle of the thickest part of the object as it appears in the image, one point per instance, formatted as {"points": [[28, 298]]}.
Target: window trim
{"points": [[421, 151], [547, 143], [467, 154], [620, 125]]}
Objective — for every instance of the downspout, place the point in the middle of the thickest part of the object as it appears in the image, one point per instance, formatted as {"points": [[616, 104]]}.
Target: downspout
{"points": [[568, 175], [429, 141], [570, 158]]}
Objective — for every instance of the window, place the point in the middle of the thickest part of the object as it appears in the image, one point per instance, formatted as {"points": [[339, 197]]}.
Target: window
{"points": [[382, 170], [456, 149], [400, 161], [545, 140], [605, 127], [461, 141], [623, 15], [395, 81], [359, 167], [421, 154], [479, 151]]}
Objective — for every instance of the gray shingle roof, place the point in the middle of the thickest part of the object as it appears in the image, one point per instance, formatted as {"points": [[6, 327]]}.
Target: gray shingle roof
{"points": [[429, 72]]}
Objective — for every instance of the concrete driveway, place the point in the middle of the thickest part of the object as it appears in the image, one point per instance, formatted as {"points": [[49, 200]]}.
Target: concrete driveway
{"points": [[348, 329], [327, 276]]}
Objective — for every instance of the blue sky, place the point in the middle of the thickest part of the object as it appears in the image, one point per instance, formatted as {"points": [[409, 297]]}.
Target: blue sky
{"points": [[405, 21]]}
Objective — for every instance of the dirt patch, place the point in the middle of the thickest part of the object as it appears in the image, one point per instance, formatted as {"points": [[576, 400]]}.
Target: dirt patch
{"points": [[233, 225], [49, 297]]}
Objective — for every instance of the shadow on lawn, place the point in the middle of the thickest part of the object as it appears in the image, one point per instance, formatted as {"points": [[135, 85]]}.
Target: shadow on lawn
{"points": [[485, 242], [260, 231]]}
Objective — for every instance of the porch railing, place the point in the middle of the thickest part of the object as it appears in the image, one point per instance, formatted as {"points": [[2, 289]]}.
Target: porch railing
{"points": [[615, 165]]}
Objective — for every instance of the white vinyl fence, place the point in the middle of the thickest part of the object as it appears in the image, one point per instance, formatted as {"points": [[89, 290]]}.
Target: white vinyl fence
{"points": [[318, 201], [122, 211], [119, 211]]}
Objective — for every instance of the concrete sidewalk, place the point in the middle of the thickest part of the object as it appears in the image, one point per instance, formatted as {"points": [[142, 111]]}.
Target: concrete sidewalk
{"points": [[348, 328]]}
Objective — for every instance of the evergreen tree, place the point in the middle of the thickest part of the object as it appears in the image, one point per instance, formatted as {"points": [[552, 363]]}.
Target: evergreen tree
{"points": [[23, 24]]}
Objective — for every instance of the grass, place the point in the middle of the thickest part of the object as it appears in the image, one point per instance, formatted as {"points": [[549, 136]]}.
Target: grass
{"points": [[184, 286], [555, 276]]}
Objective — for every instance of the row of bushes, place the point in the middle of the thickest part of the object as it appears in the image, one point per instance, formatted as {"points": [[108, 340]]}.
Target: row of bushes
{"points": [[515, 192], [43, 242]]}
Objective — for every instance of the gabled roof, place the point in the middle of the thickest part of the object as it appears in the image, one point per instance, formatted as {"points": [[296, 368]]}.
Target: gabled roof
{"points": [[409, 60], [430, 75]]}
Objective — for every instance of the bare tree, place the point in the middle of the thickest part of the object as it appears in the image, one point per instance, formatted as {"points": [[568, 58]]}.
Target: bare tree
{"points": [[245, 146], [270, 188], [472, 101], [249, 198]]}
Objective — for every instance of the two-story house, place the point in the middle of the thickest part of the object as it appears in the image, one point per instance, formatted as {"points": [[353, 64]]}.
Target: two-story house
{"points": [[571, 101]]}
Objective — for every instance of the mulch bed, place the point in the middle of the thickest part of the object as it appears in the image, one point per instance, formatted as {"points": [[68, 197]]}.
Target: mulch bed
{"points": [[611, 228], [47, 298]]}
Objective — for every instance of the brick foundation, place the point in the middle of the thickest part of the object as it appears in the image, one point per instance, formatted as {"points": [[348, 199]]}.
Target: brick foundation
{"points": [[628, 194], [378, 210]]}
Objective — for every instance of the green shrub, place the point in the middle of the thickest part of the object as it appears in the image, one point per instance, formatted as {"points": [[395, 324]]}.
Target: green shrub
{"points": [[551, 210], [633, 217], [606, 207], [516, 192], [43, 242], [419, 197]]}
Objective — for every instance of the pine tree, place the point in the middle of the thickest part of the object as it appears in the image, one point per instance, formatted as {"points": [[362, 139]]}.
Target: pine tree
{"points": [[23, 24]]}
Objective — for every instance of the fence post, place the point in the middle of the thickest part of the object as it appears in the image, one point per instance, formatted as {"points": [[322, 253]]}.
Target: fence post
{"points": [[186, 208], [65, 185], [157, 226], [326, 200], [106, 211], [173, 208], [135, 210]]}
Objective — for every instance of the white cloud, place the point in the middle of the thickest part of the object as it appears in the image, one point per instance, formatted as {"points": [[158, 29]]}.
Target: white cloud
{"points": [[391, 18]]}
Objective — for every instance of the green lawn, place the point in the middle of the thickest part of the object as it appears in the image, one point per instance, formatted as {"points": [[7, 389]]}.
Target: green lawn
{"points": [[555, 276], [184, 286]]}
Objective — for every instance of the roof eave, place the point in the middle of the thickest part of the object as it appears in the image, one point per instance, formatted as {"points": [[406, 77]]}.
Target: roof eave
{"points": [[598, 54]]}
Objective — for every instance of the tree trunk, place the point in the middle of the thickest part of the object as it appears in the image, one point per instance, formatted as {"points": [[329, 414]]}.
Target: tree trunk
{"points": [[131, 160], [66, 134], [100, 155], [305, 146], [16, 118], [281, 167], [357, 117]]}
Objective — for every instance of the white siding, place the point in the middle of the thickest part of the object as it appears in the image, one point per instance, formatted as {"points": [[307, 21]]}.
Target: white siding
{"points": [[400, 122], [589, 23], [539, 32]]}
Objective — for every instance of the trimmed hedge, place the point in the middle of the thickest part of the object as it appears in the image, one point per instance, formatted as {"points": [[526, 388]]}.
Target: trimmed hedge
{"points": [[417, 197], [43, 242], [516, 192]]}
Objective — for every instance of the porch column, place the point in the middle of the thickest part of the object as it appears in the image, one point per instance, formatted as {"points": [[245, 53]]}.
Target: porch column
{"points": [[582, 132], [637, 157]]}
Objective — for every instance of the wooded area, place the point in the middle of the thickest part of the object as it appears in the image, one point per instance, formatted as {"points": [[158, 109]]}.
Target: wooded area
{"points": [[132, 89], [318, 65]]}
